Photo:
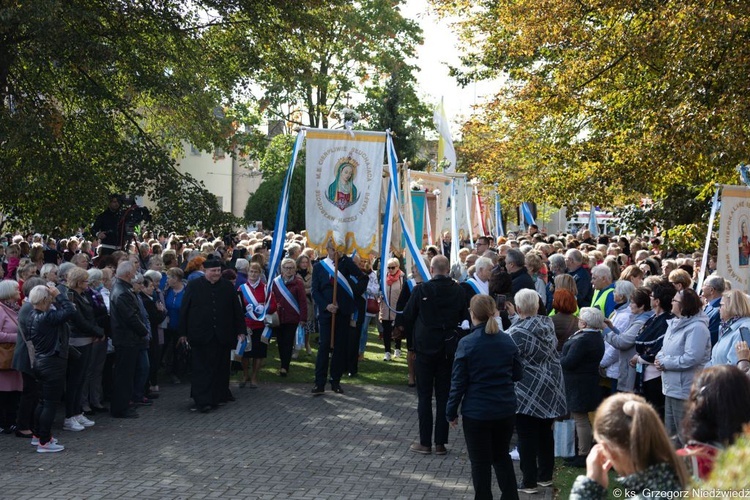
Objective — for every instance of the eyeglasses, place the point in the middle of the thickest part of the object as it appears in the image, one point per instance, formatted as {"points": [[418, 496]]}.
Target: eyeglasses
{"points": [[288, 268], [391, 267]]}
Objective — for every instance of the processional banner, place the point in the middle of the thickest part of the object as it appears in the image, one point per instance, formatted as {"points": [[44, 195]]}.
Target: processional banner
{"points": [[733, 259], [344, 172]]}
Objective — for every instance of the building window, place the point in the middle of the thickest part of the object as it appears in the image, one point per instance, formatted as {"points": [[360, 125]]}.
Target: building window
{"points": [[219, 154], [194, 151], [220, 202]]}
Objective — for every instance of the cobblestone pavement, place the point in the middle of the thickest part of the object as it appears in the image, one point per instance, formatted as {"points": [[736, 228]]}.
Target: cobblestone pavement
{"points": [[273, 442]]}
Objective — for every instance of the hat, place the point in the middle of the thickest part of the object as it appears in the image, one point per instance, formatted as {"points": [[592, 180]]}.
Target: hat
{"points": [[211, 261]]}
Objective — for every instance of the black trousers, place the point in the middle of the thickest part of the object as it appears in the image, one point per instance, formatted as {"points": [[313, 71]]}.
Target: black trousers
{"points": [[77, 369], [285, 334], [208, 384], [338, 359], [536, 446], [652, 392], [28, 403], [352, 347], [433, 374], [50, 374], [487, 442], [126, 359]]}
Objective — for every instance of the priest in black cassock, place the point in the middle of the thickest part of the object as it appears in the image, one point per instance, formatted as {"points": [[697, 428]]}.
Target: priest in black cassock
{"points": [[212, 321]]}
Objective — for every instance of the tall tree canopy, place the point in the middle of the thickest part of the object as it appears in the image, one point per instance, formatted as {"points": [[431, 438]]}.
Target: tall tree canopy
{"points": [[604, 102]]}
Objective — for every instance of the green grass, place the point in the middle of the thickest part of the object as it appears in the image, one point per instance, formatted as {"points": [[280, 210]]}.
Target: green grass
{"points": [[565, 477], [372, 371]]}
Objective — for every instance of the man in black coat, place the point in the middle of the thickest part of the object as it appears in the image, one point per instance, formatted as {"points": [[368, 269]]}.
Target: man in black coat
{"points": [[352, 283], [212, 321], [129, 332], [515, 263], [434, 312]]}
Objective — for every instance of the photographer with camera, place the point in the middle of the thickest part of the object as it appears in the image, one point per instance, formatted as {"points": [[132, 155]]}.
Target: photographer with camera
{"points": [[115, 227], [105, 227]]}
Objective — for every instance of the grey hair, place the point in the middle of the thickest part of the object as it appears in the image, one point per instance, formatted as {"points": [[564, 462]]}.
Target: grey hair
{"points": [[138, 278], [287, 260], [574, 255], [242, 264], [95, 276], [716, 282], [603, 271], [525, 248], [516, 257], [154, 275], [593, 317], [624, 288], [8, 289], [527, 302], [46, 269], [38, 295], [123, 268], [557, 263], [62, 271], [482, 263]]}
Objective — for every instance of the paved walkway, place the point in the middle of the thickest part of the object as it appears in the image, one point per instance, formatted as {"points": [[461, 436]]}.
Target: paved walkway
{"points": [[274, 442]]}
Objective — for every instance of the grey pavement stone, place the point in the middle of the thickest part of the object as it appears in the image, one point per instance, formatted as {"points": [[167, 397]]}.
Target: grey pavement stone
{"points": [[272, 443]]}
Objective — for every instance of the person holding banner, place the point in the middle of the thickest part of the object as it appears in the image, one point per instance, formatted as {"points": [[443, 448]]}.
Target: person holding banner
{"points": [[253, 297], [351, 283], [289, 293], [211, 320]]}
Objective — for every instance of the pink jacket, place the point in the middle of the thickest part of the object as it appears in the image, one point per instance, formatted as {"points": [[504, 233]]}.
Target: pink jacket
{"points": [[10, 380]]}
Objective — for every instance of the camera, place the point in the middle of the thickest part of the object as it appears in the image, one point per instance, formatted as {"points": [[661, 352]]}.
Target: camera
{"points": [[267, 244]]}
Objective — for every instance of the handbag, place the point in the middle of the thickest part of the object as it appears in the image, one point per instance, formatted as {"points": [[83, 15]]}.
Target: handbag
{"points": [[272, 320], [372, 306], [6, 355]]}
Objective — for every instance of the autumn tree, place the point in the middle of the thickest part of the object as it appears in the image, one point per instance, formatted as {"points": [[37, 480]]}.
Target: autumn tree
{"points": [[604, 102]]}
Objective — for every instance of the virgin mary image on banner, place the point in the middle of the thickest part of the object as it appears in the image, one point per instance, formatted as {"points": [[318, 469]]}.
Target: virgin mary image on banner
{"points": [[342, 192]]}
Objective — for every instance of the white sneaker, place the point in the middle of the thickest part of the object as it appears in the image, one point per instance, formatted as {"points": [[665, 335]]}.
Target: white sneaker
{"points": [[49, 448], [387, 356], [397, 353], [81, 419], [514, 455], [71, 424], [35, 441], [295, 354]]}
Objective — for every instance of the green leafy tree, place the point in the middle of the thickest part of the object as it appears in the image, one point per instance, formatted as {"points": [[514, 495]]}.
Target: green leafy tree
{"points": [[393, 104], [262, 204], [97, 97], [328, 50]]}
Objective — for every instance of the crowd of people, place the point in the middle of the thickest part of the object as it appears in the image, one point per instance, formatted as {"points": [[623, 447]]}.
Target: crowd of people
{"points": [[609, 334]]}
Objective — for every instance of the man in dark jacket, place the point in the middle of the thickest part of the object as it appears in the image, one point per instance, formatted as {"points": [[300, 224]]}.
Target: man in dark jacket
{"points": [[574, 262], [515, 263], [211, 320], [434, 312], [106, 227], [129, 332], [352, 283]]}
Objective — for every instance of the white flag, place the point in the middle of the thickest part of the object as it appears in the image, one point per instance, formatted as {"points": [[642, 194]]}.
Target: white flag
{"points": [[445, 143]]}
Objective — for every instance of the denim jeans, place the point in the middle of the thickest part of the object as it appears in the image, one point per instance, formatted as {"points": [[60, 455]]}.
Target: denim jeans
{"points": [[142, 369]]}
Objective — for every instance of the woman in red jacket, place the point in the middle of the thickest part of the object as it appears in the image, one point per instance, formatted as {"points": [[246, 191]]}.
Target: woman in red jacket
{"points": [[289, 292], [255, 290]]}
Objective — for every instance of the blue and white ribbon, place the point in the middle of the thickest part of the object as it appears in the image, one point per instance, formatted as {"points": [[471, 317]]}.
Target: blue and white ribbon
{"points": [[278, 282], [392, 202], [499, 231], [343, 283]]}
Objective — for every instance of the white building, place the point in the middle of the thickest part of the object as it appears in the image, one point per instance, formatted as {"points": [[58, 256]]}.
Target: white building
{"points": [[231, 180]]}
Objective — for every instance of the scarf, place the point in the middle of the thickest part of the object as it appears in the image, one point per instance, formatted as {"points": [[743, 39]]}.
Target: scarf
{"points": [[303, 272], [12, 305], [726, 326], [390, 279]]}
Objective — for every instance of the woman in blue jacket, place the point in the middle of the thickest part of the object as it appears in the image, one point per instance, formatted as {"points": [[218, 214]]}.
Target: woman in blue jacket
{"points": [[484, 371]]}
